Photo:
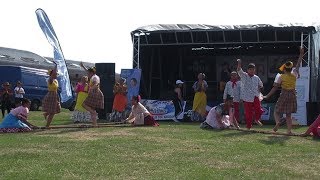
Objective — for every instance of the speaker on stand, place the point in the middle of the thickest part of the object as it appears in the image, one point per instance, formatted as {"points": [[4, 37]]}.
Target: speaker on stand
{"points": [[106, 72], [313, 109]]}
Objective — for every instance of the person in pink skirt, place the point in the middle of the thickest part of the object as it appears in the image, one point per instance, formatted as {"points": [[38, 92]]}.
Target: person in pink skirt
{"points": [[313, 129]]}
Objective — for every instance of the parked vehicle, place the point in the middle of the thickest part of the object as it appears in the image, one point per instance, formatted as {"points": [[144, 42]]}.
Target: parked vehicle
{"points": [[34, 83]]}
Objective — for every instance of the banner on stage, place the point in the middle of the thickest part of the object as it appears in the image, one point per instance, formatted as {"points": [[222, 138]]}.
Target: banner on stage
{"points": [[302, 88], [160, 110], [266, 112], [132, 77]]}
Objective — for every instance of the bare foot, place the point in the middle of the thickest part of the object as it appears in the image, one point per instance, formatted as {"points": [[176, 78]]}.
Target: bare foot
{"points": [[303, 135], [276, 127], [259, 123], [45, 115]]}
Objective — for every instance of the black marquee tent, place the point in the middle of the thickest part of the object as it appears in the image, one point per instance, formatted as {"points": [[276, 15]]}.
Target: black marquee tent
{"points": [[166, 52]]}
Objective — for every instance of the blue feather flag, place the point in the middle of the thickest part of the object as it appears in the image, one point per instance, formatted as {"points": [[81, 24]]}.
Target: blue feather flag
{"points": [[63, 78]]}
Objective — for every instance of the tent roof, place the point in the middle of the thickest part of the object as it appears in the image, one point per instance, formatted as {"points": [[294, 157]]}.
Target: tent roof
{"points": [[205, 27]]}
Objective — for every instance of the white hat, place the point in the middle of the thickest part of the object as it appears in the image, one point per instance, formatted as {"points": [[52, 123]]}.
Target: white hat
{"points": [[179, 82]]}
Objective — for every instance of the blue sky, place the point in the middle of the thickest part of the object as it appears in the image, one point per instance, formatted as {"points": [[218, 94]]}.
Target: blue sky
{"points": [[99, 31]]}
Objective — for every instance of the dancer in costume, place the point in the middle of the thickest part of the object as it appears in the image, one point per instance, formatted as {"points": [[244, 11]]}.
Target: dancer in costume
{"points": [[139, 114], [80, 114], [251, 86], [200, 98], [313, 129], [51, 101], [95, 99], [221, 116], [120, 91], [233, 88], [287, 102], [16, 120]]}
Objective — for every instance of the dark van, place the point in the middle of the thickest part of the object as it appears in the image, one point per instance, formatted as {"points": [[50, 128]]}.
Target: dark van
{"points": [[34, 84]]}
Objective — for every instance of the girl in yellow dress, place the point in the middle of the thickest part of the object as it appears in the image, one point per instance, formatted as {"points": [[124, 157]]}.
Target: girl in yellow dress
{"points": [[51, 102], [80, 114], [200, 98]]}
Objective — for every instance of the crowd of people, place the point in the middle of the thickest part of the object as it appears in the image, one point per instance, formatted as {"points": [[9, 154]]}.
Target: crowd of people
{"points": [[89, 99], [246, 87], [242, 87]]}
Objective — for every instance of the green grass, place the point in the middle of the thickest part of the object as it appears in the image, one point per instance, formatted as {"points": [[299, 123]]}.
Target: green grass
{"points": [[171, 151]]}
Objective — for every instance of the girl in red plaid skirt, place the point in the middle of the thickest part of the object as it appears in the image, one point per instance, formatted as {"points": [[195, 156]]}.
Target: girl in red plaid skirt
{"points": [[95, 99], [287, 102], [51, 102]]}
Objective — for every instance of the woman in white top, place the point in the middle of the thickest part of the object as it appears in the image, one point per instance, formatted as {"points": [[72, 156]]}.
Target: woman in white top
{"points": [[95, 99], [18, 94], [139, 114]]}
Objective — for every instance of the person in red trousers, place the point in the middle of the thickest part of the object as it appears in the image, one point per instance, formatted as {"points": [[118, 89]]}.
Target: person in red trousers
{"points": [[250, 93]]}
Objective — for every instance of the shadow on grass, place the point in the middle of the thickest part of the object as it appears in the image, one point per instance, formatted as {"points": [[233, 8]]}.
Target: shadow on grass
{"points": [[275, 140]]}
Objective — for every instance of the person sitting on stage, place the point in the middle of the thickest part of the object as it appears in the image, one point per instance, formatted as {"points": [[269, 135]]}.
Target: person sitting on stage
{"points": [[221, 116], [139, 114], [314, 128], [16, 120]]}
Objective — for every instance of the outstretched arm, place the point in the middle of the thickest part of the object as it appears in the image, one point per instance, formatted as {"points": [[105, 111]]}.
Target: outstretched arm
{"points": [[83, 66], [53, 70], [28, 123], [272, 91], [219, 120], [130, 116], [300, 58], [239, 64]]}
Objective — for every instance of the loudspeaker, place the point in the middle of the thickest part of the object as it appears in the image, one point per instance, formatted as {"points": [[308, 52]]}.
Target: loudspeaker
{"points": [[106, 72], [313, 109]]}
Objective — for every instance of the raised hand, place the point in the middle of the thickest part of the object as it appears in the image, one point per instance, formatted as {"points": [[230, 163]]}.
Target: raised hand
{"points": [[301, 51]]}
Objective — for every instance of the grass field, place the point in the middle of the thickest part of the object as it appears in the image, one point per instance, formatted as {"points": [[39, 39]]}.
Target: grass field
{"points": [[170, 151]]}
